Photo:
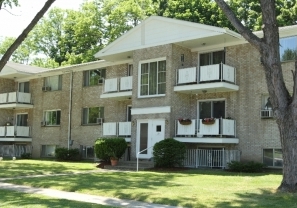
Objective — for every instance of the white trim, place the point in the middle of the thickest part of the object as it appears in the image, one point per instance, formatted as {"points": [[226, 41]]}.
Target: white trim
{"points": [[152, 110], [16, 106], [117, 95], [210, 87], [139, 75], [17, 139], [208, 140]]}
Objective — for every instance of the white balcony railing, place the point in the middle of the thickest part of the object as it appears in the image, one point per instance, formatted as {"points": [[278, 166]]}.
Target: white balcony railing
{"points": [[15, 97], [210, 73], [15, 131], [117, 84], [117, 129], [221, 127]]}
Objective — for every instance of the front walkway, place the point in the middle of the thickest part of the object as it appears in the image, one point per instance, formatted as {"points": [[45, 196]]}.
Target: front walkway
{"points": [[77, 196]]}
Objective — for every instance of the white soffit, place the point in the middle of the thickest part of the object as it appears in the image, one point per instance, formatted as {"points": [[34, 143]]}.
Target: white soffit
{"points": [[152, 110], [156, 31]]}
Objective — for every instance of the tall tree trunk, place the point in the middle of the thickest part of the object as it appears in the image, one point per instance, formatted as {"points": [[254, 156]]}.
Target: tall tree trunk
{"points": [[24, 34], [284, 105]]}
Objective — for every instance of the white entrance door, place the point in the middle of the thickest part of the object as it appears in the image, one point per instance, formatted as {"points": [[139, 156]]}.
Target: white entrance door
{"points": [[149, 132]]}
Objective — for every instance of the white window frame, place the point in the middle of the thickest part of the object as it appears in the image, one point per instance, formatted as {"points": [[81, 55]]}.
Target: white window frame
{"points": [[139, 76], [47, 82], [98, 116], [210, 100], [45, 116], [273, 152]]}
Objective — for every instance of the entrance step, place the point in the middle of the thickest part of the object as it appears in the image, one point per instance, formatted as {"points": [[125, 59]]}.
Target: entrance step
{"points": [[131, 165]]}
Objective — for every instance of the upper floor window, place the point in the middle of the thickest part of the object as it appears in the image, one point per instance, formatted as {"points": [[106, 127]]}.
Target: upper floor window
{"points": [[52, 117], [92, 115], [130, 70], [53, 83], [152, 78], [211, 58], [212, 109], [94, 77], [288, 48]]}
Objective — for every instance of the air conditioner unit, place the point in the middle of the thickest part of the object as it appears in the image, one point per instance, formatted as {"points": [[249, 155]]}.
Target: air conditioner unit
{"points": [[266, 113], [99, 120], [43, 123], [45, 88], [100, 81]]}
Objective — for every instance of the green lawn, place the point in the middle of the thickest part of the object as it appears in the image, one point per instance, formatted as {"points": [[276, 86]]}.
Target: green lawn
{"points": [[11, 199], [10, 168], [194, 188]]}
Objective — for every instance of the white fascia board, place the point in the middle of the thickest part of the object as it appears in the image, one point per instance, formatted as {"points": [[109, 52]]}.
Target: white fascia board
{"points": [[151, 110], [16, 106], [17, 139]]}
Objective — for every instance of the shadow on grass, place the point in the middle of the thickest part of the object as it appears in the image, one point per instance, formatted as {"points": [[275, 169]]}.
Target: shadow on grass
{"points": [[265, 198], [15, 199]]}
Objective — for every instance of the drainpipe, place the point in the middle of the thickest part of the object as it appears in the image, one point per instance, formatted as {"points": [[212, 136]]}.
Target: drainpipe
{"points": [[70, 109]]}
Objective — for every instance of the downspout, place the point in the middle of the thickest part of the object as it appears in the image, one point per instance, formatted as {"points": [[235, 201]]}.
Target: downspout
{"points": [[70, 109]]}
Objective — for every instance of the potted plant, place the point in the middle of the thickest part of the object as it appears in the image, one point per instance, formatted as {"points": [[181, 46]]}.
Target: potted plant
{"points": [[208, 121], [183, 121]]}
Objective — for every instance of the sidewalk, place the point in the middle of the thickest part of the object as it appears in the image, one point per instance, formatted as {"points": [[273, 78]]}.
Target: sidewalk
{"points": [[81, 197]]}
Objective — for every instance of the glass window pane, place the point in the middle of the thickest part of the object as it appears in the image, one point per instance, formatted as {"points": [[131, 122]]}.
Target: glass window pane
{"points": [[54, 83], [161, 88], [288, 48], [218, 109], [85, 115], [143, 137], [144, 79], [93, 115], [153, 71], [268, 157], [144, 90], [162, 65], [205, 59], [278, 158], [218, 57], [86, 78], [144, 68], [205, 110]]}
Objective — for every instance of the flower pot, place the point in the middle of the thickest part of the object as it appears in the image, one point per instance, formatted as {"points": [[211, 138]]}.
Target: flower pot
{"points": [[208, 122], [114, 162], [186, 122]]}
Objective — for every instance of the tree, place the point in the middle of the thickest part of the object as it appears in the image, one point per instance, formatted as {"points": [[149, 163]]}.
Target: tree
{"points": [[284, 105], [26, 31]]}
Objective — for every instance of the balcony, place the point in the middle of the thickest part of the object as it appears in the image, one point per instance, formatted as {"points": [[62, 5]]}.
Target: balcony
{"points": [[210, 79], [117, 88], [118, 129], [15, 133], [15, 100], [221, 131]]}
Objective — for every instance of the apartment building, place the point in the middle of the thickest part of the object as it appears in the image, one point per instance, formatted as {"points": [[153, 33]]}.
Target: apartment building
{"points": [[165, 78]]}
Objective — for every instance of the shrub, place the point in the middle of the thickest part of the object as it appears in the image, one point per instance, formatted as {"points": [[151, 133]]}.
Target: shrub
{"points": [[247, 167], [26, 156], [169, 153], [63, 154], [105, 148]]}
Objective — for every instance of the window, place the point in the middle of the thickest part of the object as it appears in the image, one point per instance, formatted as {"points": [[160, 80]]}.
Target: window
{"points": [[273, 157], [22, 120], [212, 58], [212, 109], [288, 48], [90, 115], [24, 87], [94, 77], [87, 152], [48, 150], [130, 70], [153, 78], [53, 83], [52, 117]]}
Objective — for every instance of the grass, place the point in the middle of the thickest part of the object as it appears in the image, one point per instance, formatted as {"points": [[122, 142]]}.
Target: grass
{"points": [[11, 199], [10, 168], [193, 188]]}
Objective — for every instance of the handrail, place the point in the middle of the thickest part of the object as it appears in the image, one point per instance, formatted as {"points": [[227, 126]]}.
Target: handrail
{"points": [[138, 158]]}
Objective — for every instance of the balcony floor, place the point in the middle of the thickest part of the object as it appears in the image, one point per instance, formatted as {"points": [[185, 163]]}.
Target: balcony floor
{"points": [[208, 140], [15, 139], [15, 106], [209, 87], [118, 95]]}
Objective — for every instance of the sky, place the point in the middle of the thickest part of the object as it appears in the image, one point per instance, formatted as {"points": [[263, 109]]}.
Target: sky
{"points": [[14, 21]]}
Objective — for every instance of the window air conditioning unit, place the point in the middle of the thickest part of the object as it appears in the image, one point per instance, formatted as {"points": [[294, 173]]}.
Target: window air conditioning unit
{"points": [[100, 81], [43, 123], [44, 88], [267, 114], [99, 120]]}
